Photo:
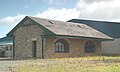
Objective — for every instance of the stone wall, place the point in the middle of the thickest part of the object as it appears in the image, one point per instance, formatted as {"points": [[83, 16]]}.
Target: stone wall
{"points": [[76, 48], [23, 38]]}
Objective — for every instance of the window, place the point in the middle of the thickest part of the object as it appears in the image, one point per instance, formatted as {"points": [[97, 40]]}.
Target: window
{"points": [[61, 45], [89, 47]]}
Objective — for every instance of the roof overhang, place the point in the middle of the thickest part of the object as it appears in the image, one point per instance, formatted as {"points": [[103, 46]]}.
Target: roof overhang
{"points": [[77, 37]]}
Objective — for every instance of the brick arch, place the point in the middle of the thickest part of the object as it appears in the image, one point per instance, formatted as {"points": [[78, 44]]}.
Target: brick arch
{"points": [[89, 46], [61, 45], [62, 38]]}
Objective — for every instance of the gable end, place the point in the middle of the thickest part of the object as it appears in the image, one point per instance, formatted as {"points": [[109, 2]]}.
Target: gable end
{"points": [[26, 22]]}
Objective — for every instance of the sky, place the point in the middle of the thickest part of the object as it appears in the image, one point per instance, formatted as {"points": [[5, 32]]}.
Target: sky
{"points": [[13, 11]]}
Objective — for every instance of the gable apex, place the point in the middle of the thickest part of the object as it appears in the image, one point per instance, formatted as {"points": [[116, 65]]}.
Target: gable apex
{"points": [[28, 21]]}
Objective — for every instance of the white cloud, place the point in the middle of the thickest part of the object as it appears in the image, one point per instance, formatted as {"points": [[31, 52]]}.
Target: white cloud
{"points": [[59, 14], [92, 1], [56, 1], [55, 14], [99, 9], [11, 19], [88, 9]]}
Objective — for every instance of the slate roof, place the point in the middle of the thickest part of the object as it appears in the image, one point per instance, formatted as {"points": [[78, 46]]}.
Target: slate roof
{"points": [[68, 29], [111, 29]]}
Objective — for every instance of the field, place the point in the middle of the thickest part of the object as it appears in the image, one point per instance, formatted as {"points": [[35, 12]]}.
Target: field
{"points": [[82, 64]]}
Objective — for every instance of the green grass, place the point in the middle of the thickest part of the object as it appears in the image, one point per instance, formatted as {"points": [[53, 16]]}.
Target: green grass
{"points": [[82, 64]]}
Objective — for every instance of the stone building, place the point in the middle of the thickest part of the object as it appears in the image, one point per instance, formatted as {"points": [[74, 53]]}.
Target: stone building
{"points": [[43, 38]]}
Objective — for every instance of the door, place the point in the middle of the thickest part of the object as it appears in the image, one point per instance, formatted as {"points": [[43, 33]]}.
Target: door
{"points": [[34, 48]]}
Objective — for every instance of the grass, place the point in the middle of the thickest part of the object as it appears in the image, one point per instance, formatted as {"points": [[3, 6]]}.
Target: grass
{"points": [[82, 64]]}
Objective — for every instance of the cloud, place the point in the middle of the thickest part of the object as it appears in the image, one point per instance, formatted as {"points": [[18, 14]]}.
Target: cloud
{"points": [[99, 9], [11, 19], [59, 14], [108, 10], [55, 14], [56, 1], [93, 1]]}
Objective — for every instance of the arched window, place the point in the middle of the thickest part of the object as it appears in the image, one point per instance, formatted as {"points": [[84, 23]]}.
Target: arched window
{"points": [[61, 45], [89, 47]]}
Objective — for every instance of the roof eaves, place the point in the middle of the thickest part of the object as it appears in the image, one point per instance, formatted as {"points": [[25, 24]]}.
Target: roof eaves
{"points": [[81, 37]]}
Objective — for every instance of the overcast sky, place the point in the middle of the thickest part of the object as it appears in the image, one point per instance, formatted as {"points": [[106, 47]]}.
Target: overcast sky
{"points": [[13, 11]]}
